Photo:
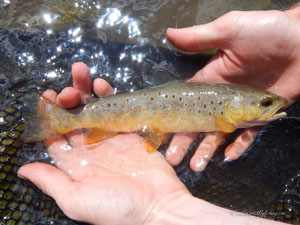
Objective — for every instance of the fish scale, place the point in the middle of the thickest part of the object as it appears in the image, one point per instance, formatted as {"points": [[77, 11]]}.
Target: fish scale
{"points": [[191, 105]]}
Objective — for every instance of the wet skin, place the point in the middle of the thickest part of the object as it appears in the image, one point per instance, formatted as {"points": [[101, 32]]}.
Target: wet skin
{"points": [[117, 182], [259, 49]]}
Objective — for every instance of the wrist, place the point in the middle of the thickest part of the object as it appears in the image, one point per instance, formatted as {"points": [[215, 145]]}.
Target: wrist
{"points": [[186, 209]]}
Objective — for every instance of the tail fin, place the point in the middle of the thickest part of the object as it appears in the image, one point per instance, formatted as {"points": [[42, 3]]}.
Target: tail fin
{"points": [[41, 118]]}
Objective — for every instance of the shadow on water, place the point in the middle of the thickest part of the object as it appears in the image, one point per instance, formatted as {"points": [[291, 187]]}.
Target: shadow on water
{"points": [[124, 43]]}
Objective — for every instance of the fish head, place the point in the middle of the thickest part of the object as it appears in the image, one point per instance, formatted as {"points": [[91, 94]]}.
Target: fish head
{"points": [[254, 107]]}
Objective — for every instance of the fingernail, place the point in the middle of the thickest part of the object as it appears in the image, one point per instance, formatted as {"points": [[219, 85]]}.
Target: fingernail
{"points": [[200, 164], [227, 159]]}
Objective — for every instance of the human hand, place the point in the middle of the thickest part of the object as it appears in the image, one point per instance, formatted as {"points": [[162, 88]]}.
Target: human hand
{"points": [[113, 182], [117, 181], [259, 49]]}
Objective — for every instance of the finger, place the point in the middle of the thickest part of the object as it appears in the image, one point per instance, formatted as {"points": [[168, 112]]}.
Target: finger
{"points": [[166, 138], [241, 143], [82, 81], [50, 180], [200, 37], [50, 95], [179, 146], [206, 150], [102, 88], [216, 70], [76, 137], [69, 97]]}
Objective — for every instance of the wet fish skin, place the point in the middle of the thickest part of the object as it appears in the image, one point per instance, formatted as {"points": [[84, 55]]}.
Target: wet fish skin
{"points": [[173, 107]]}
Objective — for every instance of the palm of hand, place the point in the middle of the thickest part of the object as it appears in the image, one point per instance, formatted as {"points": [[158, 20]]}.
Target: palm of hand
{"points": [[112, 171], [258, 51], [107, 183], [254, 48]]}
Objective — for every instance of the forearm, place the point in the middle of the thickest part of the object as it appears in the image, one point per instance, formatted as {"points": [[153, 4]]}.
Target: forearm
{"points": [[190, 210]]}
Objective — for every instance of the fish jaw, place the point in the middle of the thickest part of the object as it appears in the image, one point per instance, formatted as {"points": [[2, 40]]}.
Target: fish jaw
{"points": [[274, 113], [271, 116]]}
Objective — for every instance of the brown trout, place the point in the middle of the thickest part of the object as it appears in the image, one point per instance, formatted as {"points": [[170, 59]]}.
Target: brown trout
{"points": [[152, 112]]}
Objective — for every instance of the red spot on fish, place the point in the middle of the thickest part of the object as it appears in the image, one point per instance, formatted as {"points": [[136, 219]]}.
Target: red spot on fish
{"points": [[122, 110], [185, 104], [160, 106], [190, 109], [199, 111], [209, 113], [131, 109]]}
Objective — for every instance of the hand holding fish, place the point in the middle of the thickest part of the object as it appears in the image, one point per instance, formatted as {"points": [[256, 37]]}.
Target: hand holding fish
{"points": [[117, 182], [258, 49]]}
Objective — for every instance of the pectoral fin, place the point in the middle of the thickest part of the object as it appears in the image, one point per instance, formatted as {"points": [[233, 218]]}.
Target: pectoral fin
{"points": [[94, 135], [153, 138], [224, 125]]}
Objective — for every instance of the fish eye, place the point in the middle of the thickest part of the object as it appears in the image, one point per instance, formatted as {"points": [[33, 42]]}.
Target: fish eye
{"points": [[266, 101]]}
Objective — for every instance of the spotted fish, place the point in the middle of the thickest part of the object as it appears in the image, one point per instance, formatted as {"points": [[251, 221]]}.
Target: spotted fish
{"points": [[152, 112]]}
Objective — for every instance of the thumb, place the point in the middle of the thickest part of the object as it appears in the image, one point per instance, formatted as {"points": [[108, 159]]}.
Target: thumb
{"points": [[49, 180], [201, 37]]}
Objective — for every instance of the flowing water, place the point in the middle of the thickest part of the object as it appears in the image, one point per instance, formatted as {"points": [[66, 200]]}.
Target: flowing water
{"points": [[124, 42]]}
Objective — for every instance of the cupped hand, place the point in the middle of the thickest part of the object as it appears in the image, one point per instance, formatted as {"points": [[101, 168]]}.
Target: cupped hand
{"points": [[259, 49], [113, 182], [117, 181]]}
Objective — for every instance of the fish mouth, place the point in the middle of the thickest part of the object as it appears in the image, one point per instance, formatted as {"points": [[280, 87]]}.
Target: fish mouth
{"points": [[277, 116], [269, 116], [275, 113]]}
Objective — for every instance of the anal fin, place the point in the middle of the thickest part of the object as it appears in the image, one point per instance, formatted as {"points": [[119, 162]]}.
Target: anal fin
{"points": [[153, 138], [94, 135], [224, 125]]}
